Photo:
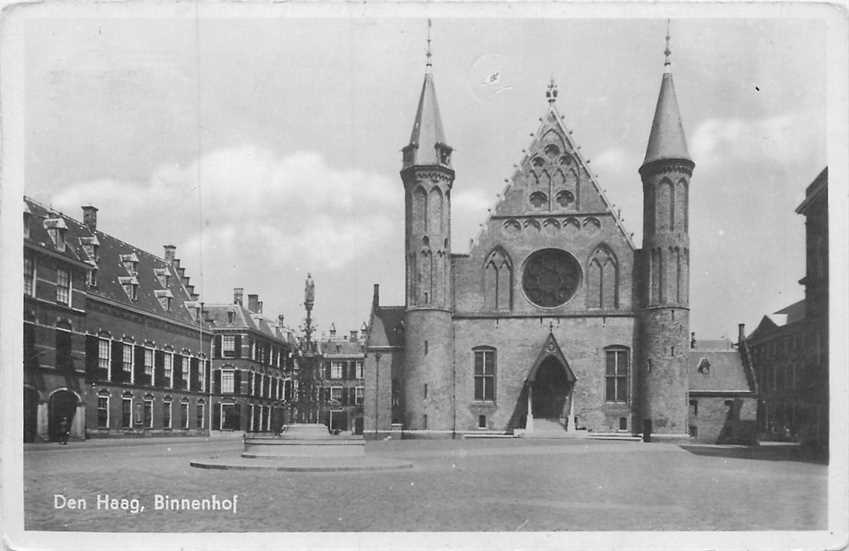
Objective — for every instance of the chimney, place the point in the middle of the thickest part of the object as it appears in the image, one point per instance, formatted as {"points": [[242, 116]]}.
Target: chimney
{"points": [[353, 336], [253, 304], [170, 251], [332, 330], [259, 307], [375, 301], [280, 319], [190, 289], [693, 339], [741, 333], [238, 293], [90, 217]]}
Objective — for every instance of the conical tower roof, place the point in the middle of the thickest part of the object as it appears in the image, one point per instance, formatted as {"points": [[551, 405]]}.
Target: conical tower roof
{"points": [[427, 127], [667, 140]]}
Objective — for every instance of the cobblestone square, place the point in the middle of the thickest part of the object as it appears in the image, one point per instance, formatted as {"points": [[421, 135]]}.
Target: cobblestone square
{"points": [[455, 485]]}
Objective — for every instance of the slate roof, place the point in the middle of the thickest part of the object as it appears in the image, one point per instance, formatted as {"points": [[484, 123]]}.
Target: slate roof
{"points": [[387, 327], [244, 319], [782, 318], [714, 344], [427, 127], [340, 347], [107, 261], [717, 371], [666, 141]]}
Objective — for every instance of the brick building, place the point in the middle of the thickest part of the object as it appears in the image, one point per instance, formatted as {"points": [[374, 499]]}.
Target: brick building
{"points": [[252, 367], [554, 320], [340, 381], [54, 326], [790, 347], [138, 350]]}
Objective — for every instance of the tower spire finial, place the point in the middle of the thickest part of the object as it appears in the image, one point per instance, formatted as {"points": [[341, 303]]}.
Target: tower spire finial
{"points": [[428, 55], [667, 63], [551, 92]]}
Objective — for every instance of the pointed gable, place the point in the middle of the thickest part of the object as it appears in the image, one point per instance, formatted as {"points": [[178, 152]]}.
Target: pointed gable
{"points": [[551, 349], [553, 185]]}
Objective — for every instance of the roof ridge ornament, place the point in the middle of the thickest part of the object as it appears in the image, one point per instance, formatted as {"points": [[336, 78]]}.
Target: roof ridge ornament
{"points": [[551, 92], [667, 52]]}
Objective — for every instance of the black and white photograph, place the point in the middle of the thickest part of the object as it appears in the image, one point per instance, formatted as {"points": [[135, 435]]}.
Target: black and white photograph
{"points": [[395, 276]]}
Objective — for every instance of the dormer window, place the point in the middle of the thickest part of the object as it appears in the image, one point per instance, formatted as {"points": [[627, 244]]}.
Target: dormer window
{"points": [[92, 278], [130, 262], [130, 286], [56, 230], [162, 276], [90, 246], [165, 298]]}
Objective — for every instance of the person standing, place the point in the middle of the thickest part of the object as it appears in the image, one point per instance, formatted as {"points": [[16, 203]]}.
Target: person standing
{"points": [[63, 431]]}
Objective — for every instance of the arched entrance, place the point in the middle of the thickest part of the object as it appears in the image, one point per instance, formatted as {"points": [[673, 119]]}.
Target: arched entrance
{"points": [[63, 403], [550, 390]]}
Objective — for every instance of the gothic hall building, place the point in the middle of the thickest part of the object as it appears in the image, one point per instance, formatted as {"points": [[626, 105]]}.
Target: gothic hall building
{"points": [[554, 320]]}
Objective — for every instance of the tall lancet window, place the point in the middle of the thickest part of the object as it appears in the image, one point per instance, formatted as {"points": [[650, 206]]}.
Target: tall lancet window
{"points": [[434, 210], [498, 281], [603, 279]]}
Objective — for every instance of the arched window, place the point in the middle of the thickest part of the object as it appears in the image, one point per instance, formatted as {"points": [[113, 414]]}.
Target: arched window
{"points": [[681, 192], [434, 210], [419, 209], [663, 205], [603, 273], [498, 281], [484, 373]]}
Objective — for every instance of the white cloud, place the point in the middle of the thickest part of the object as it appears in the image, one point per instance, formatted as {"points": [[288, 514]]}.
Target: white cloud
{"points": [[787, 137], [256, 207]]}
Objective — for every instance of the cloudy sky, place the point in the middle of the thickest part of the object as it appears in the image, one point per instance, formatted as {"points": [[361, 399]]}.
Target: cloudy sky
{"points": [[266, 148]]}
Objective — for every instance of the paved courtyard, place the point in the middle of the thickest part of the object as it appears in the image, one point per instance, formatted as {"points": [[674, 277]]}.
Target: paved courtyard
{"points": [[459, 485]]}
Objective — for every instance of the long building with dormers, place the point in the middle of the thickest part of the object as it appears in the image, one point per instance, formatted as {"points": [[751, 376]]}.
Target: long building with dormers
{"points": [[554, 320], [113, 338]]}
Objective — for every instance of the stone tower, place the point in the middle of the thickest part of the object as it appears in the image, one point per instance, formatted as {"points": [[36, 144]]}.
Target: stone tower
{"points": [[427, 177], [664, 313]]}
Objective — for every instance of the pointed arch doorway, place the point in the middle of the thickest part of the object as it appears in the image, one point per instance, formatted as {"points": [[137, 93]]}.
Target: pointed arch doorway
{"points": [[549, 388]]}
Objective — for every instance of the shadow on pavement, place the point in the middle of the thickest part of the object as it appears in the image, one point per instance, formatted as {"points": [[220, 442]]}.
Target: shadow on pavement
{"points": [[786, 452]]}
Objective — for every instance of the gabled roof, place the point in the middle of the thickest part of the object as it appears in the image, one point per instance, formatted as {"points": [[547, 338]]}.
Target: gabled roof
{"points": [[387, 327], [228, 317], [340, 347], [550, 349], [717, 371], [792, 313], [110, 269]]}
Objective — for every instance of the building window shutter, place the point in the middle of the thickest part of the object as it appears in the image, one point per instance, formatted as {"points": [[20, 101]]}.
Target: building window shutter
{"points": [[344, 396], [216, 410], [159, 368], [138, 366], [238, 346], [118, 375], [178, 370], [91, 357], [193, 374], [216, 384], [217, 346], [327, 370], [237, 382]]}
